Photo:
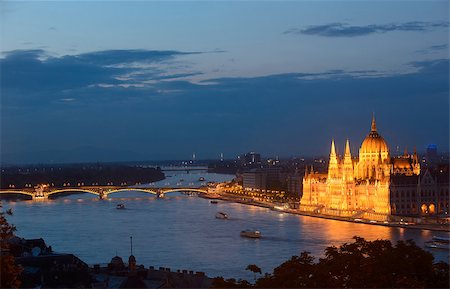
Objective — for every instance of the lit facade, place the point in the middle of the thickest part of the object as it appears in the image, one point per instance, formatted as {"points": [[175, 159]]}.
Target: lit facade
{"points": [[356, 187], [424, 195]]}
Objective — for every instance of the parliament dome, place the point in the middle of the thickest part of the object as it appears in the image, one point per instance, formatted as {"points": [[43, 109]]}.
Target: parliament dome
{"points": [[374, 143]]}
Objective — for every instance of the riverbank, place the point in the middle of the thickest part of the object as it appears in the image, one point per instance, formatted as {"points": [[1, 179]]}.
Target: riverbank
{"points": [[242, 200]]}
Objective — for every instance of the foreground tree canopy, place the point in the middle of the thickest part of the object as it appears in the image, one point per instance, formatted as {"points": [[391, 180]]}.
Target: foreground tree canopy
{"points": [[361, 264], [9, 277]]}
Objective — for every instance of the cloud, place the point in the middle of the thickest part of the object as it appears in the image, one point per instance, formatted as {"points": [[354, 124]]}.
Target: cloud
{"points": [[346, 30], [433, 49], [111, 57], [437, 67], [30, 77], [439, 47], [51, 102]]}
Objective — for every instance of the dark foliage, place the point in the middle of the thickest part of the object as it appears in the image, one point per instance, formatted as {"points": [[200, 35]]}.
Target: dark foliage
{"points": [[255, 269], [361, 264], [10, 271]]}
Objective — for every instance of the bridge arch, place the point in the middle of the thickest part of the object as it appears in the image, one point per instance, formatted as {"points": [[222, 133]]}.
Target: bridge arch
{"points": [[17, 193], [72, 190], [148, 191], [181, 190]]}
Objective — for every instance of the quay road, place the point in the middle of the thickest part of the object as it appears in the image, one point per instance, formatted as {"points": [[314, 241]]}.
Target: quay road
{"points": [[237, 198], [183, 169], [44, 191]]}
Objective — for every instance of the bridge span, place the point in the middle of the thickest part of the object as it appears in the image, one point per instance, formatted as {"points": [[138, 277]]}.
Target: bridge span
{"points": [[44, 192]]}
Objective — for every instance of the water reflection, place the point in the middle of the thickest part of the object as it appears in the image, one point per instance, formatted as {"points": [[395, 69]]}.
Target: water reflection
{"points": [[181, 232]]}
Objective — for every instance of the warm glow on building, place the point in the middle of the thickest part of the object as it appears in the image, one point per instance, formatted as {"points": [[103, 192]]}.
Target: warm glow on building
{"points": [[353, 187]]}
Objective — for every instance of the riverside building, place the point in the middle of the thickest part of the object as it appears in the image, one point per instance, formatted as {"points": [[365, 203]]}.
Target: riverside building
{"points": [[358, 187]]}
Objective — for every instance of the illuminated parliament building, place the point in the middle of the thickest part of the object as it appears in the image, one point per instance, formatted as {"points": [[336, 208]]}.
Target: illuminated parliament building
{"points": [[361, 187]]}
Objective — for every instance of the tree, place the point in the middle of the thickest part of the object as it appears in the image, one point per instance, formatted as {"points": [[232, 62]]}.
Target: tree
{"points": [[220, 282], [255, 269], [9, 270], [360, 264], [297, 272]]}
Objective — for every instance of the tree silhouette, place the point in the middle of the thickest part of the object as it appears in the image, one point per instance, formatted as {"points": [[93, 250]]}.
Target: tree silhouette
{"points": [[294, 273], [9, 270], [255, 269], [360, 264]]}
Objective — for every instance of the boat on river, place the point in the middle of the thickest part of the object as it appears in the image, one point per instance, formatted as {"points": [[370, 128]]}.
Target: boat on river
{"points": [[120, 206], [221, 215], [438, 243], [251, 234], [214, 202]]}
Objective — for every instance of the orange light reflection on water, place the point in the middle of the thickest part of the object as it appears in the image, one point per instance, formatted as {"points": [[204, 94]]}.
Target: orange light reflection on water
{"points": [[340, 231]]}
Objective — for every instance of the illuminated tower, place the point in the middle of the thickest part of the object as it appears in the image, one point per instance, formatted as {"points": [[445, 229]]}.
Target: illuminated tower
{"points": [[416, 163], [348, 163], [333, 167], [357, 188], [373, 156]]}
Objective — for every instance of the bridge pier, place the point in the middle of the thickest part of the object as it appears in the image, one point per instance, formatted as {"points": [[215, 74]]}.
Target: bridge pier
{"points": [[102, 195], [40, 192]]}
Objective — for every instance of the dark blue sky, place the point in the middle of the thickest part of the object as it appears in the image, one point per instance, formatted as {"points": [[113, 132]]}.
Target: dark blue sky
{"points": [[280, 89]]}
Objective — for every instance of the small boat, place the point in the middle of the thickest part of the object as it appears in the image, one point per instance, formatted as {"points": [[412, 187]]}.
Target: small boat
{"points": [[221, 215], [438, 243], [250, 234], [201, 179], [120, 206], [214, 202]]}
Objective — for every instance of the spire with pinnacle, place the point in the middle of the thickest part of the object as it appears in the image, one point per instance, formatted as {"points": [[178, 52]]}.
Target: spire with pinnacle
{"points": [[131, 245], [333, 167], [348, 163], [131, 259], [333, 149], [416, 163], [347, 149], [374, 125]]}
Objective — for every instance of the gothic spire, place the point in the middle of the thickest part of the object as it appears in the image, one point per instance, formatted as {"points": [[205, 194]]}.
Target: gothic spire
{"points": [[415, 158], [333, 149], [333, 167], [374, 125], [131, 245], [347, 149]]}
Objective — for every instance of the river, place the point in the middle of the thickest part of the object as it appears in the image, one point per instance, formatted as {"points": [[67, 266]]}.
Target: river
{"points": [[181, 232]]}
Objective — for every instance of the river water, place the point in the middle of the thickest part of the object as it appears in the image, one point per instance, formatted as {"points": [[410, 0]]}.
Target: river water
{"points": [[181, 232]]}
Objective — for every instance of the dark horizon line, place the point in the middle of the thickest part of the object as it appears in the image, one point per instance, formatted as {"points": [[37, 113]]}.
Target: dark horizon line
{"points": [[167, 161]]}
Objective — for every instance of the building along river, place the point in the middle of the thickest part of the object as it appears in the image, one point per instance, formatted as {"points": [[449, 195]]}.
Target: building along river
{"points": [[181, 232]]}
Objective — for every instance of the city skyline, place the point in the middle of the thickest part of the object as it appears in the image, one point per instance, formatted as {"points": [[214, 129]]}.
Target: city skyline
{"points": [[154, 80]]}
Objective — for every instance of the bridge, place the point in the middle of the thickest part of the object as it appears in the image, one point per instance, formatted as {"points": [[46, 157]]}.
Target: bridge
{"points": [[184, 169], [44, 191]]}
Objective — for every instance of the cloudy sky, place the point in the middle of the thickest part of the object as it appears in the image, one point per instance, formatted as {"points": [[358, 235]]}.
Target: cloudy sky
{"points": [[104, 81]]}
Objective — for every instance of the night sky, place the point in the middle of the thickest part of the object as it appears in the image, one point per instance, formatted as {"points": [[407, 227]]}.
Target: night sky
{"points": [[112, 81]]}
